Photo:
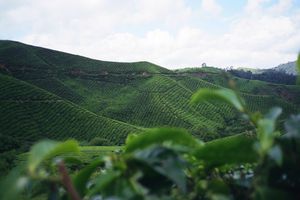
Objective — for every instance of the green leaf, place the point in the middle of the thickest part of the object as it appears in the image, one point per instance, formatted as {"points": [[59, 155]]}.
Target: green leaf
{"points": [[104, 181], [13, 184], [292, 127], [266, 129], [226, 95], [274, 113], [217, 189], [112, 185], [230, 150], [266, 134], [81, 179], [276, 154], [166, 162], [72, 160], [172, 136], [48, 149]]}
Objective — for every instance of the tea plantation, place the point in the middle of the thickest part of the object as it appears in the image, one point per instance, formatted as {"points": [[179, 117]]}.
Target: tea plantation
{"points": [[51, 94]]}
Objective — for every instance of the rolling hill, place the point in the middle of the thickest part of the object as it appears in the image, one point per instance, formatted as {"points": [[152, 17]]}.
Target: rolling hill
{"points": [[50, 94], [29, 113]]}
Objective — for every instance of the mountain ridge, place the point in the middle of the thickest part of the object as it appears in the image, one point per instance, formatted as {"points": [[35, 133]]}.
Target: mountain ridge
{"points": [[6, 46]]}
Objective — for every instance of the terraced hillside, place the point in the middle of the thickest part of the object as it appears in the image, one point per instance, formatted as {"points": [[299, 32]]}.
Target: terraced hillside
{"points": [[29, 113], [47, 93], [288, 93], [35, 62]]}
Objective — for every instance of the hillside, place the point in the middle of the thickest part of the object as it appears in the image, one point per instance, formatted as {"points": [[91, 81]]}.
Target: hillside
{"points": [[287, 93], [26, 59], [29, 114], [289, 68], [51, 94]]}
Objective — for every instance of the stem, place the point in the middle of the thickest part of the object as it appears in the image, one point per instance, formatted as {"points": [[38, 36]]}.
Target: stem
{"points": [[66, 180]]}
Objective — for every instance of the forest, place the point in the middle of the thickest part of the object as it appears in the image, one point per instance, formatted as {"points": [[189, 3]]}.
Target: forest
{"points": [[270, 75]]}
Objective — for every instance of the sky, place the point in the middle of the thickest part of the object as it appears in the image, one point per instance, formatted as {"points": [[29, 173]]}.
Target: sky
{"points": [[170, 33]]}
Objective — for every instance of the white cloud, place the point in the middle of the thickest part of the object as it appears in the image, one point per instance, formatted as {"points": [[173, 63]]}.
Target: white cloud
{"points": [[255, 6], [211, 7], [281, 6]]}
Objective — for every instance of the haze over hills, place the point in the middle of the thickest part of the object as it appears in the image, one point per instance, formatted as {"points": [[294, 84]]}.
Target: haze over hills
{"points": [[289, 68], [50, 94]]}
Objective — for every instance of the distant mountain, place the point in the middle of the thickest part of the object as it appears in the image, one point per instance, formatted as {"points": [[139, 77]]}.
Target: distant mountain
{"points": [[289, 68]]}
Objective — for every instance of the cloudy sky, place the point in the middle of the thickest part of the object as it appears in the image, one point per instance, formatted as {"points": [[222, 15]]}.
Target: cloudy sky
{"points": [[171, 33]]}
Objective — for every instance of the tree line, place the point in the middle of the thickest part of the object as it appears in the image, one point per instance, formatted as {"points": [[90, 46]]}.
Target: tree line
{"points": [[270, 75]]}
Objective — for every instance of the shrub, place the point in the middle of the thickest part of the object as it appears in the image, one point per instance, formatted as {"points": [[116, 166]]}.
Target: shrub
{"points": [[98, 141]]}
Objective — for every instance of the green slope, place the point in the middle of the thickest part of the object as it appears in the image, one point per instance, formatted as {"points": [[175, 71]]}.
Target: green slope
{"points": [[30, 60], [139, 93], [29, 114], [285, 96], [110, 99], [153, 101], [288, 93]]}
